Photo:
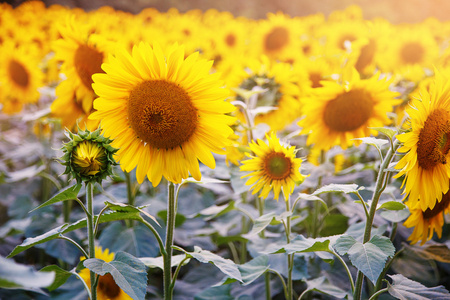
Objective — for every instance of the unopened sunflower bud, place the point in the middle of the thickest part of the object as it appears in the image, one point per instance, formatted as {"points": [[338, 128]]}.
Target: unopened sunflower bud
{"points": [[88, 156]]}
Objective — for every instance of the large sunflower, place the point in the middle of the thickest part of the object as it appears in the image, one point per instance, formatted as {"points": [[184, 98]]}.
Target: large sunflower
{"points": [[107, 289], [273, 167], [336, 114], [164, 112], [427, 222], [426, 147]]}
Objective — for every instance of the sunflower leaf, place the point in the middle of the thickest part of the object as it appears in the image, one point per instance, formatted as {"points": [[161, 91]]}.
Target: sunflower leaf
{"points": [[14, 275], [129, 273], [323, 285], [386, 131], [250, 271], [126, 208], [392, 205], [61, 276], [343, 188], [68, 193], [404, 288], [373, 141], [215, 211], [158, 262], [261, 223], [432, 251]]}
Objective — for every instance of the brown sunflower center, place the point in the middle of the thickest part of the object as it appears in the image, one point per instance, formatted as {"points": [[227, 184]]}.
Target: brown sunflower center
{"points": [[18, 73], [108, 286], [230, 40], [315, 78], [434, 140], [366, 56], [412, 53], [87, 62], [348, 111], [438, 208], [276, 39], [161, 113], [277, 166]]}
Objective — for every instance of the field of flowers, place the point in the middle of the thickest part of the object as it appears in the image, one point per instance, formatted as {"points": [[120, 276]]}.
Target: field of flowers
{"points": [[200, 155]]}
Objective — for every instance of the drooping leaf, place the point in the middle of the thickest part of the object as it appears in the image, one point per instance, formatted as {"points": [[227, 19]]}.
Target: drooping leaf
{"points": [[215, 211], [67, 193], [308, 197], [225, 265], [204, 180], [129, 273], [158, 262], [126, 208], [25, 173], [392, 205], [222, 292], [14, 275], [251, 270], [407, 289], [435, 251], [343, 188], [261, 223], [60, 278], [323, 285], [377, 143]]}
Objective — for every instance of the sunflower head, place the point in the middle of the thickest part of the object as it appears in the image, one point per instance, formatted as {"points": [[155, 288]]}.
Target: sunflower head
{"points": [[88, 156]]}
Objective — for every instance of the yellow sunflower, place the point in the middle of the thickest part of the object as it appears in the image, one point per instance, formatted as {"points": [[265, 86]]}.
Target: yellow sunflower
{"points": [[427, 146], [273, 167], [427, 222], [164, 111], [107, 289], [336, 114]]}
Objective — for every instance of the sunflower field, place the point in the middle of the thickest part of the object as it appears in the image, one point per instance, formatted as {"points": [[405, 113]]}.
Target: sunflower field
{"points": [[202, 155]]}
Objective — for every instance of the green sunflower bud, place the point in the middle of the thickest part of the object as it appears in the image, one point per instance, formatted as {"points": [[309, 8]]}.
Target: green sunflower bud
{"points": [[88, 156]]}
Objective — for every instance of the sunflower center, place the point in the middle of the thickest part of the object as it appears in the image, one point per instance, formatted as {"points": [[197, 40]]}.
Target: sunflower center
{"points": [[271, 96], [18, 73], [434, 140], [276, 39], [438, 208], [88, 158], [87, 62], [161, 113], [412, 53], [315, 78], [366, 56], [108, 286], [277, 166], [230, 39], [348, 111]]}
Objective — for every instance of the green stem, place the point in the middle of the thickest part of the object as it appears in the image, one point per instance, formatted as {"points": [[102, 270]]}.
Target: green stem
{"points": [[177, 270], [130, 195], [90, 232], [375, 295], [170, 228], [62, 237], [67, 208], [379, 188], [290, 256], [349, 274], [157, 236], [282, 282]]}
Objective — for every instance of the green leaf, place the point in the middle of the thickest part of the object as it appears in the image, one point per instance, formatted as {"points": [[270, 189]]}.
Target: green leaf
{"points": [[56, 233], [251, 270], [323, 285], [215, 211], [344, 243], [129, 273], [377, 143], [68, 193], [384, 243], [392, 205], [395, 215], [390, 133], [407, 289], [204, 180], [334, 224], [308, 197], [14, 275], [158, 262], [302, 244], [261, 223], [60, 278], [222, 292], [126, 208], [225, 265], [343, 188]]}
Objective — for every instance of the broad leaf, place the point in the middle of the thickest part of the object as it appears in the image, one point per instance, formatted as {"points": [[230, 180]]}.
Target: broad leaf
{"points": [[384, 243], [395, 215], [323, 285], [377, 143], [261, 223], [129, 273], [14, 275], [344, 243], [407, 289], [60, 278], [308, 197], [68, 193], [222, 292], [215, 211], [225, 265], [251, 270], [392, 205], [343, 188], [390, 133], [126, 208], [435, 251], [158, 262]]}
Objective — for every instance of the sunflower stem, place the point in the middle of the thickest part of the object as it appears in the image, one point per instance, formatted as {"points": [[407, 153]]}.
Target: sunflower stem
{"points": [[90, 232], [170, 228], [290, 256], [379, 188], [130, 195]]}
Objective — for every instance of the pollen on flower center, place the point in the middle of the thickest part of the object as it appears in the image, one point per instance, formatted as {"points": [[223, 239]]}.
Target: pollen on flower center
{"points": [[438, 208], [276, 39], [18, 73], [412, 53], [87, 62], [434, 140], [277, 166], [88, 157], [161, 113], [348, 111], [108, 286]]}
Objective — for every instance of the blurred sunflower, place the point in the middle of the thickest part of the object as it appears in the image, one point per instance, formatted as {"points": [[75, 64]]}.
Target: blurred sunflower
{"points": [[164, 111], [273, 167], [20, 77], [107, 289], [427, 147], [427, 222], [336, 114]]}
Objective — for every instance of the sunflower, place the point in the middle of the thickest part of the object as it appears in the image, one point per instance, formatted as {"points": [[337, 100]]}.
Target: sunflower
{"points": [[164, 112], [426, 146], [20, 77], [107, 289], [427, 222], [336, 114]]}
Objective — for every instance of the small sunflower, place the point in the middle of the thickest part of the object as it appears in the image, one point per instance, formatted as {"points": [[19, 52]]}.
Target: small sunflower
{"points": [[427, 222], [164, 111], [273, 167], [336, 114], [107, 289], [427, 146]]}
